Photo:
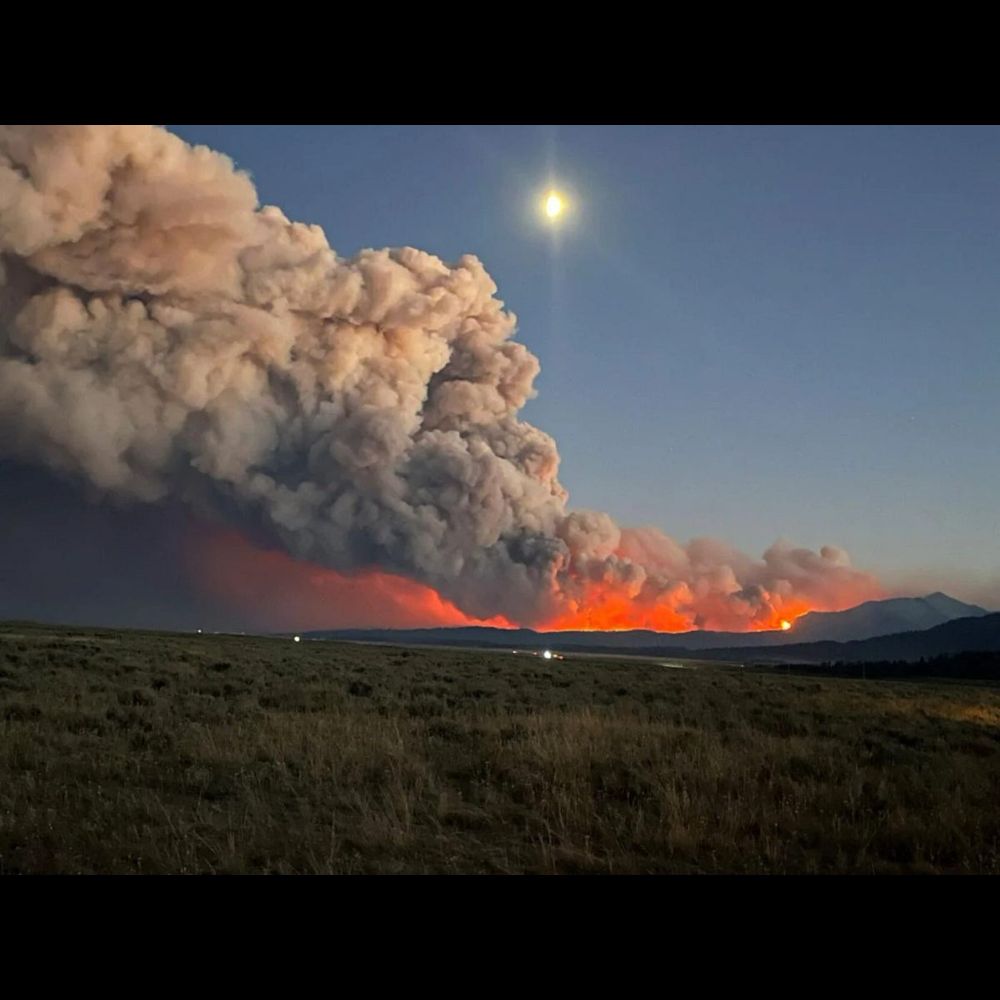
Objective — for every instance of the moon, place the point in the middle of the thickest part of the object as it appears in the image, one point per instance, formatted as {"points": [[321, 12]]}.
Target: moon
{"points": [[553, 205]]}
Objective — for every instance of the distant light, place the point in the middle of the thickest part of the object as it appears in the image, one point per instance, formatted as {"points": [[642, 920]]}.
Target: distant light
{"points": [[547, 654], [199, 631], [298, 638], [785, 625], [553, 205]]}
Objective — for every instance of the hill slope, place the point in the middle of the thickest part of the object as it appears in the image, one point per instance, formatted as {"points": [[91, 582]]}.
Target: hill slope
{"points": [[873, 618], [977, 634]]}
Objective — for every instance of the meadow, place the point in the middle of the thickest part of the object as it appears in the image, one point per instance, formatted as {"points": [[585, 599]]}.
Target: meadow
{"points": [[155, 752]]}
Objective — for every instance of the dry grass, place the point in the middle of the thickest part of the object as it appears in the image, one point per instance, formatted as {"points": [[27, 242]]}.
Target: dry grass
{"points": [[146, 752]]}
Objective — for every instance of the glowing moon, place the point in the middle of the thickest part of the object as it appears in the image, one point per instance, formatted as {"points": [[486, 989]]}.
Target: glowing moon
{"points": [[553, 205]]}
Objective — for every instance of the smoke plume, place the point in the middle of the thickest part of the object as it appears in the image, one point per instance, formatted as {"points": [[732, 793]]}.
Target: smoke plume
{"points": [[163, 336]]}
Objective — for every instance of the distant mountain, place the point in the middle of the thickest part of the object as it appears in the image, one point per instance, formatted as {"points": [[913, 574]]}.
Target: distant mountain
{"points": [[873, 618], [980, 634]]}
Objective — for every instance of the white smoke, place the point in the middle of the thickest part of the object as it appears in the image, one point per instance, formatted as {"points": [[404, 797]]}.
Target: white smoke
{"points": [[162, 335]]}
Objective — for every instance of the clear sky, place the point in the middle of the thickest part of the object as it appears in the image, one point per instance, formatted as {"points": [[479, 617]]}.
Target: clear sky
{"points": [[747, 332]]}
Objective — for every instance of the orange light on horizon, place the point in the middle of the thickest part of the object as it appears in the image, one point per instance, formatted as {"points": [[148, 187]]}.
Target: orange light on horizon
{"points": [[604, 609], [287, 593]]}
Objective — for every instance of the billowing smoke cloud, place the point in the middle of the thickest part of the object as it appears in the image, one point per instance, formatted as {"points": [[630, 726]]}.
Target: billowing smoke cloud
{"points": [[163, 336]]}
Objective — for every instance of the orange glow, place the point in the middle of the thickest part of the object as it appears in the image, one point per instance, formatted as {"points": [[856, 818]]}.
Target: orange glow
{"points": [[284, 593], [280, 592], [606, 609], [789, 611]]}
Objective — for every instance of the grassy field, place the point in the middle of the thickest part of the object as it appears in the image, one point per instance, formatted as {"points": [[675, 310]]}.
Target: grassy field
{"points": [[152, 752]]}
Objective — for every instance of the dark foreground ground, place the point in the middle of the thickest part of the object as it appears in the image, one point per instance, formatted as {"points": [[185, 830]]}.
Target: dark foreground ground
{"points": [[148, 752]]}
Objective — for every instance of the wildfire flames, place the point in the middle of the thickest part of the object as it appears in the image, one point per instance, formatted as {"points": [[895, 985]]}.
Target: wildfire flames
{"points": [[605, 609], [292, 594]]}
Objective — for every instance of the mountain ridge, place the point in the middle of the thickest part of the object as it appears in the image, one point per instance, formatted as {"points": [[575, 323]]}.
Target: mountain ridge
{"points": [[864, 621], [977, 633]]}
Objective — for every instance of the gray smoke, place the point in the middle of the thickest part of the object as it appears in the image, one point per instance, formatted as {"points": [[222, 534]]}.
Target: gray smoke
{"points": [[162, 335]]}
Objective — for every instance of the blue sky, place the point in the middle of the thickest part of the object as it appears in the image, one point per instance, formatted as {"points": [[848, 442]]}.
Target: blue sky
{"points": [[747, 332]]}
